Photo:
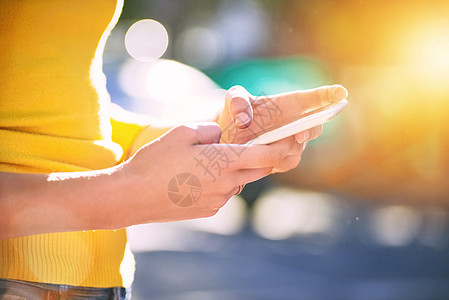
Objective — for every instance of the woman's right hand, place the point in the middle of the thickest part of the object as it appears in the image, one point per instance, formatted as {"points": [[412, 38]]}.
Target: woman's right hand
{"points": [[213, 172], [154, 185]]}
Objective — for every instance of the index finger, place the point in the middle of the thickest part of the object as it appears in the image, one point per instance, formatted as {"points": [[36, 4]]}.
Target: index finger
{"points": [[305, 100]]}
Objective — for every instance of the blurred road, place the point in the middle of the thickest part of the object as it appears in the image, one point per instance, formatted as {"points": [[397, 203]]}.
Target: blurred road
{"points": [[246, 266]]}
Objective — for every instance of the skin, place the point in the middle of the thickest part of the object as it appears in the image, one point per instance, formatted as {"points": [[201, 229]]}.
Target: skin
{"points": [[135, 191], [241, 105]]}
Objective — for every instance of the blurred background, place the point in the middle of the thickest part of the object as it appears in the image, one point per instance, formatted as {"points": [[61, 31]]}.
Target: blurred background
{"points": [[366, 214]]}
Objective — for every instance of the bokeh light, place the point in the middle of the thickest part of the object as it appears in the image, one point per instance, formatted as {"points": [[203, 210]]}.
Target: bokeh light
{"points": [[434, 228], [146, 40], [229, 220], [395, 225], [171, 90], [169, 81], [132, 78], [283, 213], [246, 31], [428, 52], [201, 47], [183, 235]]}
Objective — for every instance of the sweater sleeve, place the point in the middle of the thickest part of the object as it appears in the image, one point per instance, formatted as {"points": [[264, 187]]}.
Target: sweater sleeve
{"points": [[131, 130]]}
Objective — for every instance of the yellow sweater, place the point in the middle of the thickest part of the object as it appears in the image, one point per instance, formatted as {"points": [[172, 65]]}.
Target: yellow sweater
{"points": [[54, 117]]}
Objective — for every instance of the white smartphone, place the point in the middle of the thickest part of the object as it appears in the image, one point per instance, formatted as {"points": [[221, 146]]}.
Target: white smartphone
{"points": [[306, 121]]}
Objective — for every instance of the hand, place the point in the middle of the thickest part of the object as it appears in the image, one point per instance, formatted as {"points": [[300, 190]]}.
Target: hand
{"points": [[179, 151], [138, 190], [246, 117]]}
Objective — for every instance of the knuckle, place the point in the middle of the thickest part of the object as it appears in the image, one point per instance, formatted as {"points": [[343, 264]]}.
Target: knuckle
{"points": [[235, 92], [215, 127], [212, 127], [232, 90], [235, 88], [184, 129]]}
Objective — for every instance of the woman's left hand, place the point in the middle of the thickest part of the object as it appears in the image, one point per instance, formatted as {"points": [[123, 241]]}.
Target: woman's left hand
{"points": [[246, 117]]}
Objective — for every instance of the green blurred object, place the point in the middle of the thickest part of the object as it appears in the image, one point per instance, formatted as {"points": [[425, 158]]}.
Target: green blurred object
{"points": [[277, 75], [272, 76]]}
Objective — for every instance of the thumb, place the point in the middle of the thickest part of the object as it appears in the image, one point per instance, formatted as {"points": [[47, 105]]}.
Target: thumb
{"points": [[238, 101], [197, 133]]}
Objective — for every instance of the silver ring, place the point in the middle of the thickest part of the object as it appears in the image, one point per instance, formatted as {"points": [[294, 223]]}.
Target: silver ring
{"points": [[240, 189]]}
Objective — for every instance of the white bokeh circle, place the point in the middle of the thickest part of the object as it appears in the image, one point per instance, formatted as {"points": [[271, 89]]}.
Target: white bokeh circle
{"points": [[146, 40]]}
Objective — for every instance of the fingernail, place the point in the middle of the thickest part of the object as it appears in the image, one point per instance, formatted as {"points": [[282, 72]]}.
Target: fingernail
{"points": [[242, 119], [337, 93]]}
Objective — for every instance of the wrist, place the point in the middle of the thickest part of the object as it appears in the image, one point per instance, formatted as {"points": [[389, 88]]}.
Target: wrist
{"points": [[132, 195], [117, 198]]}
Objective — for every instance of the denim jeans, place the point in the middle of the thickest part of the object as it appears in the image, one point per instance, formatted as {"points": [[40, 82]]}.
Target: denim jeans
{"points": [[24, 290]]}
